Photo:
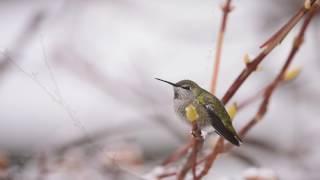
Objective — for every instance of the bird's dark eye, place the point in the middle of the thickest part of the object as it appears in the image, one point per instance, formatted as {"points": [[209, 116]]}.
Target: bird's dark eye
{"points": [[186, 87]]}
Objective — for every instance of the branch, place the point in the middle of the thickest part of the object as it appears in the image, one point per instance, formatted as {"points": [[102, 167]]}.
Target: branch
{"points": [[269, 91], [268, 47], [197, 142], [198, 139], [218, 148], [23, 39], [226, 9], [279, 78], [292, 22], [252, 66], [177, 154]]}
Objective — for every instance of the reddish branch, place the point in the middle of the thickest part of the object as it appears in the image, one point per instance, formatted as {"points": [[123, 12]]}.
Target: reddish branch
{"points": [[226, 9], [268, 47], [218, 148], [162, 176], [197, 138], [291, 23], [252, 66], [197, 142], [177, 154], [250, 100], [270, 89]]}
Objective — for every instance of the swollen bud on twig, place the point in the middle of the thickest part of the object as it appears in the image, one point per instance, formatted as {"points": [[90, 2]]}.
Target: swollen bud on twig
{"points": [[246, 59], [291, 74], [307, 4], [232, 110]]}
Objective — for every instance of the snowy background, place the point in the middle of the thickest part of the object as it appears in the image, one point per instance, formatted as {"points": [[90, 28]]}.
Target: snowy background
{"points": [[77, 85]]}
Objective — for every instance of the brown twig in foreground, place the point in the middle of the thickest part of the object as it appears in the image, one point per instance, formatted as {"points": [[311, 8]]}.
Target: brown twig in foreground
{"points": [[218, 148], [197, 142], [226, 9]]}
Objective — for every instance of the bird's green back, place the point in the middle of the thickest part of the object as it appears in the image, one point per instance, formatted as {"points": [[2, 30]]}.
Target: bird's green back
{"points": [[207, 99]]}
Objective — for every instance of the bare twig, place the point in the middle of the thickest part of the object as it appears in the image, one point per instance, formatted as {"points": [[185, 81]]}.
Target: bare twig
{"points": [[251, 99], [269, 91], [98, 135], [210, 159], [22, 40], [177, 154], [197, 139], [269, 46], [162, 176], [290, 24], [271, 87], [262, 110], [197, 142], [252, 66], [226, 8]]}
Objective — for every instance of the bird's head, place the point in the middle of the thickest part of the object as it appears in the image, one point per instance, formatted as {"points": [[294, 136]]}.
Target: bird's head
{"points": [[185, 89]]}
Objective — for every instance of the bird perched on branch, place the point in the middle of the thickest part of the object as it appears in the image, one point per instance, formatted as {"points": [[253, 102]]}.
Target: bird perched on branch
{"points": [[196, 105]]}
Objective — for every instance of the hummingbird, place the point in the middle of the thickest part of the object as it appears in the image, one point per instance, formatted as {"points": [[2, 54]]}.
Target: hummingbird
{"points": [[196, 105]]}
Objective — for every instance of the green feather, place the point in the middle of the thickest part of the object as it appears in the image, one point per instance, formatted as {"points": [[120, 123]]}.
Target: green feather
{"points": [[207, 99]]}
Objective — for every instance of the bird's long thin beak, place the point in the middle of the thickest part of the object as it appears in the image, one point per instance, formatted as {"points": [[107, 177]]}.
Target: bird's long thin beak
{"points": [[173, 84]]}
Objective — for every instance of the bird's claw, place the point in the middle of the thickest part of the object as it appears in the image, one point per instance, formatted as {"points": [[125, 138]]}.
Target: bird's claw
{"points": [[196, 135]]}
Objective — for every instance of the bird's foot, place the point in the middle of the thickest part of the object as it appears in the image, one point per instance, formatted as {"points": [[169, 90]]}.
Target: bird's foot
{"points": [[197, 135]]}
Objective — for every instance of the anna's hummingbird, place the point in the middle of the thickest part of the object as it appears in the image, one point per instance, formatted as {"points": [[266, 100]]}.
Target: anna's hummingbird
{"points": [[194, 104]]}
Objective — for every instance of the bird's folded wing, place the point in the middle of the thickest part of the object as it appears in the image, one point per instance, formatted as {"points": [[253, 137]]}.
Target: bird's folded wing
{"points": [[220, 127]]}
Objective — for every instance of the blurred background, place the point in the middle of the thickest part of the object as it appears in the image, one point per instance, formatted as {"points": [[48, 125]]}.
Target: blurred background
{"points": [[79, 99]]}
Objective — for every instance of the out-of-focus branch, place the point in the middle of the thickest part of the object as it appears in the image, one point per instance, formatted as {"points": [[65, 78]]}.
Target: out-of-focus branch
{"points": [[98, 135], [218, 148], [197, 142], [226, 9], [74, 63], [177, 154], [165, 175], [245, 158], [289, 75], [22, 40]]}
